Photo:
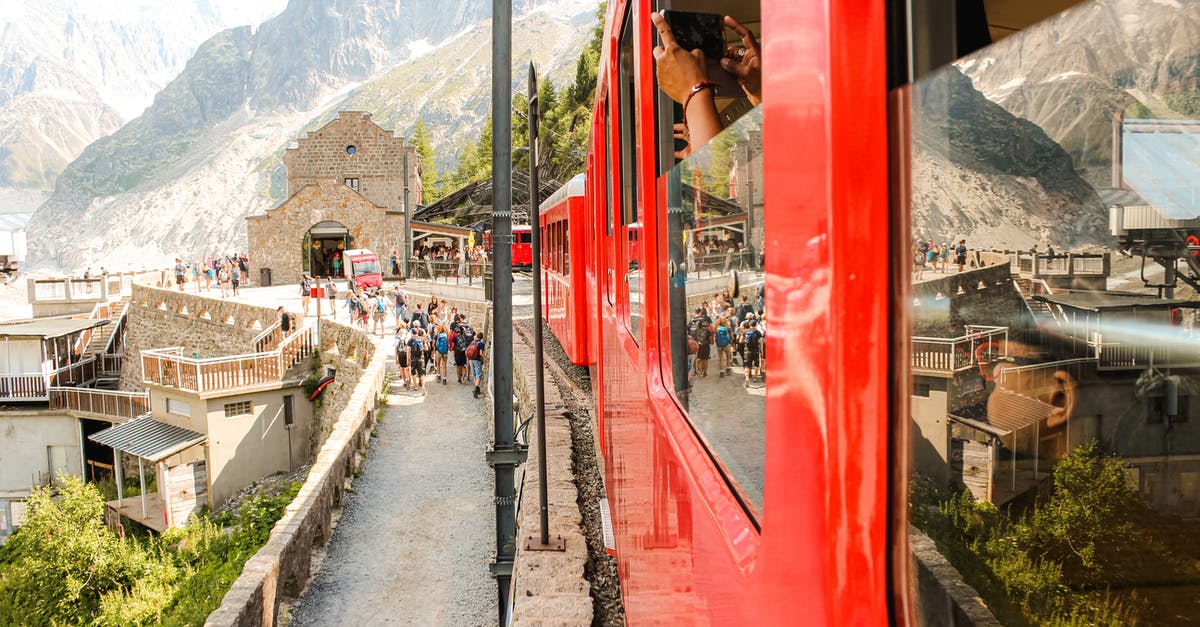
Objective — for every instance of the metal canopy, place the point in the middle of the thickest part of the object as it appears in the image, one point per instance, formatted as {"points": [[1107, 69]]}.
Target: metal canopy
{"points": [[1102, 301], [148, 438], [1161, 162], [51, 327]]}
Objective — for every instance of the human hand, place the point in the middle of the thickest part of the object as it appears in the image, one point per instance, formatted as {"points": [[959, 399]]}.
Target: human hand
{"points": [[681, 132], [744, 62], [678, 69]]}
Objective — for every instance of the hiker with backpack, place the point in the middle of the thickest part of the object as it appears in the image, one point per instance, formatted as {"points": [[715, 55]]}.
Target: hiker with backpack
{"points": [[751, 341], [400, 306], [474, 353], [403, 336], [724, 341], [699, 329], [416, 357], [463, 336], [378, 306], [441, 351]]}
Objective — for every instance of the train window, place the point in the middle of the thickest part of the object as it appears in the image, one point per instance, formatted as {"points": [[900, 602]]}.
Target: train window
{"points": [[1051, 294], [566, 246], [629, 254], [718, 324]]}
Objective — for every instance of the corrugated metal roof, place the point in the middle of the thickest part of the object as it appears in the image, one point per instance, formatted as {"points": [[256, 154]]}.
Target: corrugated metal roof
{"points": [[147, 438], [49, 327], [1161, 162], [1010, 411], [14, 221]]}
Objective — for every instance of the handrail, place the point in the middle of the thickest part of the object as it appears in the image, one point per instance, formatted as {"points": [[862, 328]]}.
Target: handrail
{"points": [[104, 402], [167, 367], [957, 353]]}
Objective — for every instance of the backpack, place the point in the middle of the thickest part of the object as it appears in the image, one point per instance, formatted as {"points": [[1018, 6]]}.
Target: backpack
{"points": [[699, 331], [463, 338], [751, 338], [722, 336], [473, 351], [379, 305], [417, 346], [443, 344]]}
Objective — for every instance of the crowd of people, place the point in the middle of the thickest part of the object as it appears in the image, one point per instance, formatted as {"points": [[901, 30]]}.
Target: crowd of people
{"points": [[938, 256], [736, 332], [442, 259], [228, 273], [425, 343]]}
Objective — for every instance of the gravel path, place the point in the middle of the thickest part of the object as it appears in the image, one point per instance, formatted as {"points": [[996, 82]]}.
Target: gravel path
{"points": [[413, 541]]}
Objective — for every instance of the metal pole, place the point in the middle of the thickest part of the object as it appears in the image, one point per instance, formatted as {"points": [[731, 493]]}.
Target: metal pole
{"points": [[504, 456], [408, 243], [535, 220], [142, 482]]}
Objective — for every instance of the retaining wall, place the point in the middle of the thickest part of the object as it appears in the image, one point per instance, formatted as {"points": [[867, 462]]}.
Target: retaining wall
{"points": [[943, 598], [284, 564], [159, 318]]}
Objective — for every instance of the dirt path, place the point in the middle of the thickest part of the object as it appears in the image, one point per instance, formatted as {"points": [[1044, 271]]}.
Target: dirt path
{"points": [[413, 541]]}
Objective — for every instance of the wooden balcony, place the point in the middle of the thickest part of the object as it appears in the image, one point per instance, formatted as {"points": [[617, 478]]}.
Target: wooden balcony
{"points": [[946, 356], [106, 404], [169, 367], [35, 386]]}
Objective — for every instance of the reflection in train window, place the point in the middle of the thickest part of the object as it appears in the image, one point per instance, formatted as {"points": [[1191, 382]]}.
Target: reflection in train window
{"points": [[1054, 338], [719, 318]]}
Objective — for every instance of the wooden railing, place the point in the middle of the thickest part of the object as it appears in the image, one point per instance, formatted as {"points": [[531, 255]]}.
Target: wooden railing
{"points": [[29, 386], [268, 340], [127, 405], [955, 354], [79, 373], [168, 367]]}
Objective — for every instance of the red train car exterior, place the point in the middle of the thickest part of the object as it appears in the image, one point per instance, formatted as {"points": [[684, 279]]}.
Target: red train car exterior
{"points": [[696, 543], [522, 254], [563, 256]]}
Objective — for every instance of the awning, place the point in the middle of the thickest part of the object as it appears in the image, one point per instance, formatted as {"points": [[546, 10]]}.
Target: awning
{"points": [[50, 327], [1008, 411], [147, 438]]}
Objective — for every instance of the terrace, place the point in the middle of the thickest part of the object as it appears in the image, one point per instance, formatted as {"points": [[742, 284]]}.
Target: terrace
{"points": [[173, 368]]}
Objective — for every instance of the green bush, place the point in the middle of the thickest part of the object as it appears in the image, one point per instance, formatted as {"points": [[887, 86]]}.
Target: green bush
{"points": [[65, 566]]}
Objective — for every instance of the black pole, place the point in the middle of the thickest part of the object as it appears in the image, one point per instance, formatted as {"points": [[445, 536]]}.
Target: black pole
{"points": [[407, 217], [505, 455], [535, 219]]}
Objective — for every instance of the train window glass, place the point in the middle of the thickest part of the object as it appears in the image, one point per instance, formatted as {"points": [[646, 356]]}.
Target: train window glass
{"points": [[719, 321], [630, 227], [1051, 299], [566, 246]]}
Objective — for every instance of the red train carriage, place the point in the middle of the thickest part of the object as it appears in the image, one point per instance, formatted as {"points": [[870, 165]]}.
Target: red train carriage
{"points": [[522, 254], [562, 218], [735, 501]]}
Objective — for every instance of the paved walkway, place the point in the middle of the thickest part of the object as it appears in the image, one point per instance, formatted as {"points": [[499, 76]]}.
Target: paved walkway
{"points": [[413, 541]]}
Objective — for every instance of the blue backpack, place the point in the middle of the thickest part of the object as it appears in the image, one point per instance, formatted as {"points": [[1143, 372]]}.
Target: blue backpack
{"points": [[443, 344], [722, 336], [379, 304]]}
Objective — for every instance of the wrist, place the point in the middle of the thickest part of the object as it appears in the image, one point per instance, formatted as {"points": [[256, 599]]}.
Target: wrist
{"points": [[696, 89]]}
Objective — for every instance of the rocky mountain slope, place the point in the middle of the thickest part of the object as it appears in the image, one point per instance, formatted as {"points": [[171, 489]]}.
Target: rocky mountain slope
{"points": [[982, 174], [181, 178], [1070, 74], [72, 71]]}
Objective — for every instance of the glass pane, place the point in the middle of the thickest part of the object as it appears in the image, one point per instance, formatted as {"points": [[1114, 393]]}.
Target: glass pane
{"points": [[718, 326], [630, 220], [1054, 344]]}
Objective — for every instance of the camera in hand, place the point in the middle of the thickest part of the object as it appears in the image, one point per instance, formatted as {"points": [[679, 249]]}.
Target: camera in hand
{"points": [[705, 31]]}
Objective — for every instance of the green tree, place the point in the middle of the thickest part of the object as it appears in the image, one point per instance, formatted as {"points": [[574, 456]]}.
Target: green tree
{"points": [[429, 177]]}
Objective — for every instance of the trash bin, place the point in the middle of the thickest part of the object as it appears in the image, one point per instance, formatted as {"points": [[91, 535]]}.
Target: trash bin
{"points": [[264, 277]]}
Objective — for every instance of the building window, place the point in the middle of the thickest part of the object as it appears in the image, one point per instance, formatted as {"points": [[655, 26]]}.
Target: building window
{"points": [[352, 184], [235, 410], [350, 150], [178, 407], [921, 389]]}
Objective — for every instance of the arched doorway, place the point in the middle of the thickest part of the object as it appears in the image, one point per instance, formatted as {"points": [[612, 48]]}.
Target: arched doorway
{"points": [[323, 246]]}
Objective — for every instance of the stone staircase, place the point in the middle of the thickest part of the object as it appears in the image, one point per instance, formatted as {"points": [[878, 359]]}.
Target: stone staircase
{"points": [[1039, 308], [100, 339]]}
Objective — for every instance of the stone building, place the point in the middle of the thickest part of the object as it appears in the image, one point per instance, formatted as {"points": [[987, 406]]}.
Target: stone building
{"points": [[345, 190]]}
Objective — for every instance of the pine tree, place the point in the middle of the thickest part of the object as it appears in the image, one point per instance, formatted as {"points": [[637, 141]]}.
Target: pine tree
{"points": [[429, 177]]}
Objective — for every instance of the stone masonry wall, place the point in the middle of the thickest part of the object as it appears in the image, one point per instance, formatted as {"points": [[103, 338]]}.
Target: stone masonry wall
{"points": [[161, 318], [277, 237], [348, 351], [377, 162], [284, 564]]}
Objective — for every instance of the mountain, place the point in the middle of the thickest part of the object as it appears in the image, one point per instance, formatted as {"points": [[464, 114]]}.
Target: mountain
{"points": [[981, 173], [1070, 74], [72, 71], [181, 177]]}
